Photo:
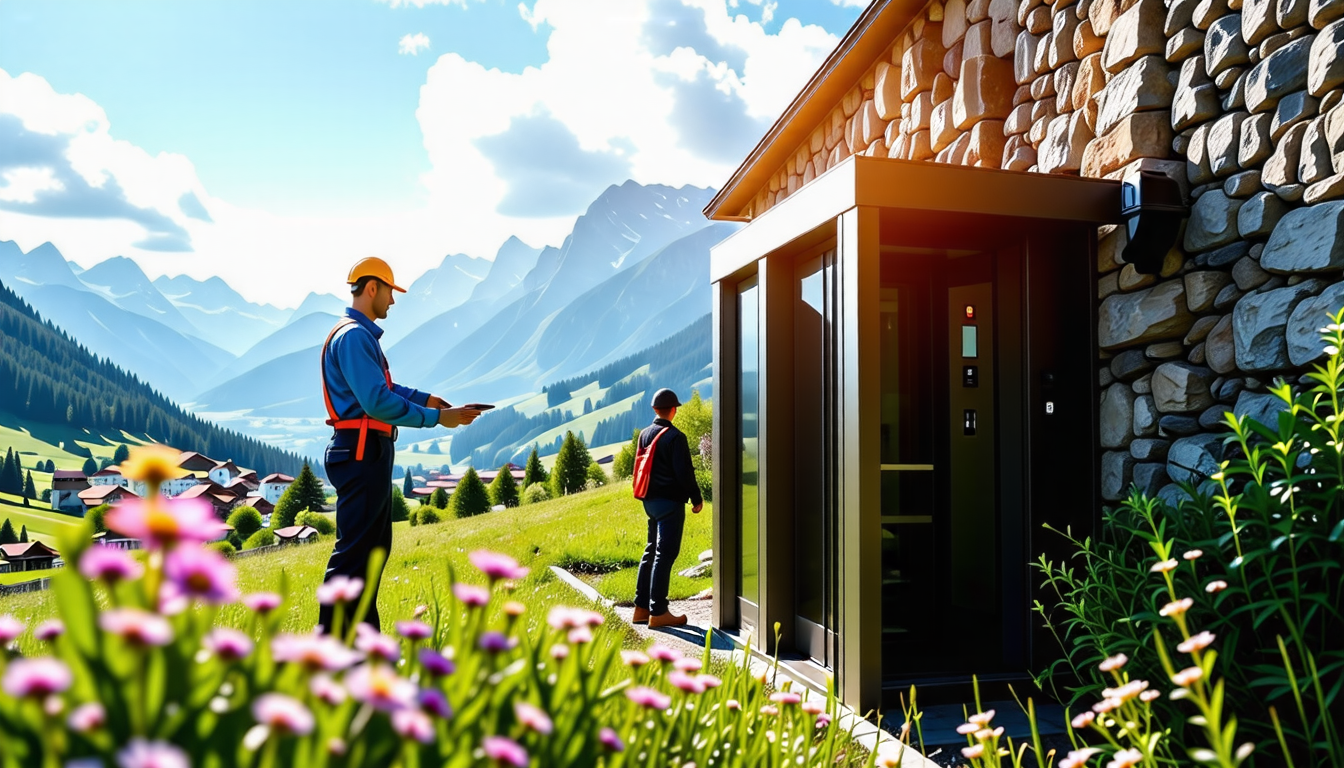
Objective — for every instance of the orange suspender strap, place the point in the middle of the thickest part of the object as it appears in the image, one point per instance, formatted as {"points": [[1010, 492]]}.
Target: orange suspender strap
{"points": [[364, 423], [644, 467]]}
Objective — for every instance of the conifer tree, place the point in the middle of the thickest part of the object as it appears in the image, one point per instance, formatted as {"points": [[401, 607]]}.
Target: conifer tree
{"points": [[121, 454], [434, 448], [439, 499], [471, 497], [504, 489], [305, 493], [7, 535], [29, 490], [7, 474], [408, 484], [534, 472], [23, 535], [571, 467], [400, 509], [90, 467]]}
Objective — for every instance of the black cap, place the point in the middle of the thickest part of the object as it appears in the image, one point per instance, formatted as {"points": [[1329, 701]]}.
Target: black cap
{"points": [[665, 398]]}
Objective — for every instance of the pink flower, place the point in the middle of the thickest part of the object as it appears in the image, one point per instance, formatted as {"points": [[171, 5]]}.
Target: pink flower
{"points": [[262, 602], [413, 724], [732, 704], [87, 718], [109, 564], [580, 636], [436, 663], [1215, 586], [982, 718], [1193, 554], [283, 714], [1078, 758], [140, 753], [634, 658], [505, 751], [496, 642], [1187, 677], [1177, 607], [414, 630], [327, 690], [137, 627], [564, 617], [313, 652], [373, 643], [559, 651], [202, 573], [1150, 695], [661, 652], [1113, 663], [685, 682], [1125, 758], [164, 523], [340, 589], [709, 681], [648, 698], [813, 707], [432, 701], [770, 710], [514, 609], [1163, 566], [496, 566], [1197, 643], [1083, 719], [36, 678], [533, 717], [973, 752], [610, 740], [49, 630], [823, 720], [471, 595], [966, 729], [687, 665], [380, 687], [10, 629], [228, 644], [785, 697]]}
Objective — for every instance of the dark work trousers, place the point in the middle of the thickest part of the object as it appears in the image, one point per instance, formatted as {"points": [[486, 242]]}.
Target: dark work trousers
{"points": [[667, 518], [363, 512]]}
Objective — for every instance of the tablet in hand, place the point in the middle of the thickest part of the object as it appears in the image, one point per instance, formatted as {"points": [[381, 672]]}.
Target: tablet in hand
{"points": [[476, 407]]}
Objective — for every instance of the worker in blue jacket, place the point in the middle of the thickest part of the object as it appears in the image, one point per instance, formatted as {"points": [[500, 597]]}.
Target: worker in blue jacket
{"points": [[665, 481], [365, 408]]}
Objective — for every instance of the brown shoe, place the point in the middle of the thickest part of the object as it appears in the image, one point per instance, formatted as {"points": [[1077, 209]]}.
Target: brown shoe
{"points": [[641, 616], [666, 619]]}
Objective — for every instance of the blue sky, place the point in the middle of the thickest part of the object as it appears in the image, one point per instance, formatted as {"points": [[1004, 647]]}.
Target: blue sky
{"points": [[271, 116]]}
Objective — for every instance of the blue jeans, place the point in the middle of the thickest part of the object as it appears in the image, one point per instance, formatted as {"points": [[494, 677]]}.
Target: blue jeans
{"points": [[667, 519]]}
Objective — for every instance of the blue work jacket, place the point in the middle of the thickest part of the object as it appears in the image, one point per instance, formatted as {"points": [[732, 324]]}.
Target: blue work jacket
{"points": [[357, 386]]}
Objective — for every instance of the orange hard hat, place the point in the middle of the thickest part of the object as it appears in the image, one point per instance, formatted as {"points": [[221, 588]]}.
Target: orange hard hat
{"points": [[373, 267]]}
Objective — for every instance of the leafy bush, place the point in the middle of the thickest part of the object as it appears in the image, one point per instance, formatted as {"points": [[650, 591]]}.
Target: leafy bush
{"points": [[470, 498], [322, 523], [414, 519], [704, 478], [429, 516], [536, 492], [623, 466], [97, 518], [262, 538], [222, 547], [695, 418], [400, 509], [439, 499], [245, 521], [1263, 544]]}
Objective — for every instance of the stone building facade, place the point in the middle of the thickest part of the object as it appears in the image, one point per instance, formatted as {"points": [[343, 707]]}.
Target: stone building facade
{"points": [[1239, 101]]}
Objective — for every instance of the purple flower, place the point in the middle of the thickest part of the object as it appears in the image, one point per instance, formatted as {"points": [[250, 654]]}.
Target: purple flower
{"points": [[137, 627], [497, 566], [610, 740], [283, 714], [10, 629], [109, 564], [228, 644], [152, 754], [163, 523], [37, 678], [471, 595], [373, 643], [533, 717], [648, 697], [414, 630], [49, 630], [262, 602], [432, 701], [327, 689], [496, 642], [505, 751], [413, 724], [380, 687], [202, 573], [685, 682], [660, 652], [340, 589], [313, 652], [87, 717], [436, 663]]}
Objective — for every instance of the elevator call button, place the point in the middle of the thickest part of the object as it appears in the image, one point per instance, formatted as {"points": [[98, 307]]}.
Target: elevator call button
{"points": [[970, 375], [968, 422]]}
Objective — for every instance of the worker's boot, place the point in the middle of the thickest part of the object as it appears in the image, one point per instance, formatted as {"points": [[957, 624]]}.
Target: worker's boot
{"points": [[666, 619], [641, 616]]}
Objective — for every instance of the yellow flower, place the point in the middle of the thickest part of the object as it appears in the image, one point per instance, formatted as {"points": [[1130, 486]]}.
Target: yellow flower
{"points": [[152, 464]]}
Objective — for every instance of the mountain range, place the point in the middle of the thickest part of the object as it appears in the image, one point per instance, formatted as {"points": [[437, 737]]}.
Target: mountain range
{"points": [[633, 271]]}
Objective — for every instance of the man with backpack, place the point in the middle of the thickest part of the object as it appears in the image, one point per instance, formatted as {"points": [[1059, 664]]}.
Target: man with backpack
{"points": [[664, 480]]}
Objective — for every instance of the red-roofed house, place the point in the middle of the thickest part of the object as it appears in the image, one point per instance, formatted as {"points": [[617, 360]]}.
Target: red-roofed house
{"points": [[108, 476], [273, 486], [28, 556], [98, 495], [296, 534], [65, 487], [225, 472], [195, 462], [262, 506], [221, 499]]}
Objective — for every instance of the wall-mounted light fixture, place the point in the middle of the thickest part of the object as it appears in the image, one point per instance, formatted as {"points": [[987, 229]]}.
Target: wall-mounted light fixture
{"points": [[1151, 204]]}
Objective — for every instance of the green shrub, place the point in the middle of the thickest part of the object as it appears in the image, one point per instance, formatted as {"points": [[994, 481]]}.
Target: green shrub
{"points": [[470, 498], [245, 521], [570, 473], [439, 499], [536, 492], [695, 418], [320, 522], [262, 538], [596, 476], [1263, 551], [222, 547], [504, 488], [400, 509], [704, 478], [414, 518], [623, 466], [429, 516], [97, 518]]}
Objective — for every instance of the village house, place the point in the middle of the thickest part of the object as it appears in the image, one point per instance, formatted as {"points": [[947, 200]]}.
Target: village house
{"points": [[65, 487], [98, 495], [1001, 260], [220, 500], [263, 507], [273, 486], [296, 534], [28, 556], [108, 476], [225, 472]]}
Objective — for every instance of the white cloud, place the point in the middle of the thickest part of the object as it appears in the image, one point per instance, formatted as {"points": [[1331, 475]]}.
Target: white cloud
{"points": [[413, 44], [607, 96]]}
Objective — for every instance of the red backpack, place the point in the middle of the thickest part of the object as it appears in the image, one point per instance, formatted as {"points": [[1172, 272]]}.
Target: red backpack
{"points": [[644, 466]]}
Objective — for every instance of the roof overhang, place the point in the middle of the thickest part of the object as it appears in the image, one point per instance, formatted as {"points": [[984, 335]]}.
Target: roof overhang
{"points": [[945, 198], [871, 35]]}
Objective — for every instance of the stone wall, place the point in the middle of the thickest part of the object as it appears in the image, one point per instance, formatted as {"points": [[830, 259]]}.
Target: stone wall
{"points": [[1239, 100]]}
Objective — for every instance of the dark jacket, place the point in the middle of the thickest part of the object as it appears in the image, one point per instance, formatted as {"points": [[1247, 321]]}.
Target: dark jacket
{"points": [[672, 475]]}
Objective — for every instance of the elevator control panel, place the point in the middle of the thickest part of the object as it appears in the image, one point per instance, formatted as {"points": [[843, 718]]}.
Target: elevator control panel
{"points": [[970, 375], [968, 421]]}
